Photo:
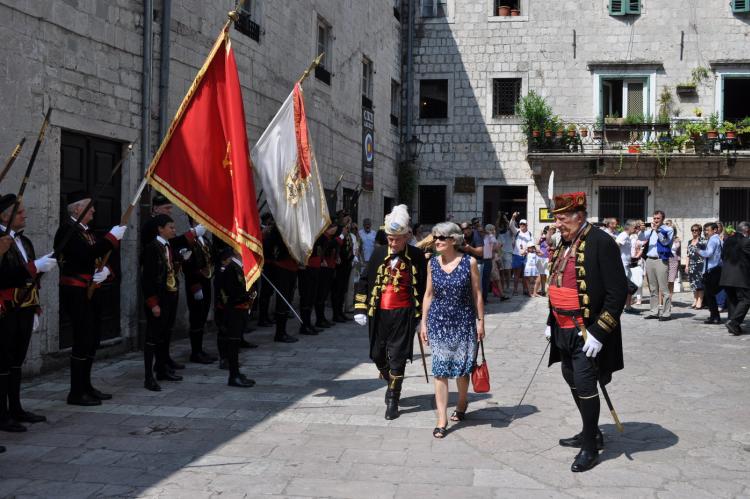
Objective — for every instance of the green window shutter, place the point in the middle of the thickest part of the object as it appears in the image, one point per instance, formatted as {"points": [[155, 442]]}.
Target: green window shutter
{"points": [[617, 7], [634, 6], [739, 6]]}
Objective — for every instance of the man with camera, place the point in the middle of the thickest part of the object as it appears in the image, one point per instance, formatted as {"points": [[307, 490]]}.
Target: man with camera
{"points": [[658, 249]]}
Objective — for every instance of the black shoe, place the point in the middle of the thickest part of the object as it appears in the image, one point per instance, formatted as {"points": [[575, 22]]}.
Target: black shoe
{"points": [[83, 399], [286, 339], [200, 358], [241, 381], [99, 395], [632, 310], [266, 322], [651, 316], [733, 328], [27, 417], [2, 449], [504, 298], [584, 461], [151, 384], [391, 410], [322, 325], [174, 365], [577, 441], [12, 426], [223, 364], [339, 318], [209, 356], [168, 376], [665, 319], [712, 320], [307, 330], [325, 323], [247, 344]]}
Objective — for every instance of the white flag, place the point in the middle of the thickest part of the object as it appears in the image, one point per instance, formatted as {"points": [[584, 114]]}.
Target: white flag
{"points": [[284, 163]]}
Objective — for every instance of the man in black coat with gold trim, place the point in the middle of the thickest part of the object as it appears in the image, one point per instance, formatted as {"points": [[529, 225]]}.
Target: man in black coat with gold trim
{"points": [[587, 294], [391, 295]]}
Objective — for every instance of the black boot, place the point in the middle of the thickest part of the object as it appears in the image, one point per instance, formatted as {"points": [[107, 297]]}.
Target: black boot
{"points": [[281, 335], [246, 344], [306, 327], [162, 367], [392, 396], [89, 387], [221, 347], [320, 317], [78, 394], [589, 455], [148, 363], [6, 422], [169, 361], [236, 378], [14, 400], [197, 355], [576, 441]]}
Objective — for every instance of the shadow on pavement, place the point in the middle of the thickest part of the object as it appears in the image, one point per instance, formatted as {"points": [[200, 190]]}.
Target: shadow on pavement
{"points": [[636, 437]]}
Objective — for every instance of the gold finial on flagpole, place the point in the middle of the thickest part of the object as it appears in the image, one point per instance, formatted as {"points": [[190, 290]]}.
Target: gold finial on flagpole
{"points": [[311, 67]]}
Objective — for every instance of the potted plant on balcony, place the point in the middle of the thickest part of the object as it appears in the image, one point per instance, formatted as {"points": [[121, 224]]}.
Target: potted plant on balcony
{"points": [[534, 113], [571, 130], [695, 130], [713, 126], [729, 130], [614, 119], [503, 10]]}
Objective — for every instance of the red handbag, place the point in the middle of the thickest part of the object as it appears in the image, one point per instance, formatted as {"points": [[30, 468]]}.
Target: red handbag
{"points": [[480, 374]]}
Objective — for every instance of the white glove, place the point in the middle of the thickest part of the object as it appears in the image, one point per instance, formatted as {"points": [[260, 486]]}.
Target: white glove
{"points": [[200, 230], [548, 333], [45, 263], [592, 345], [118, 231], [35, 327], [360, 319], [355, 261], [185, 254], [198, 295], [101, 276]]}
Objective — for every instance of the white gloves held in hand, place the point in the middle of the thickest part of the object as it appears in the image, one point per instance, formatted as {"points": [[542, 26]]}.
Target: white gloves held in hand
{"points": [[35, 326], [45, 263], [360, 319], [200, 230], [592, 346], [186, 254], [118, 231], [548, 333], [101, 276], [198, 295]]}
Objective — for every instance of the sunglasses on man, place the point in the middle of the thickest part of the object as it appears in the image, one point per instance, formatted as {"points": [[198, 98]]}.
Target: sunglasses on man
{"points": [[443, 238]]}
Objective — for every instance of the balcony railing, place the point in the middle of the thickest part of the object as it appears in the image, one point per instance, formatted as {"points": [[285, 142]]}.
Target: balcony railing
{"points": [[658, 138]]}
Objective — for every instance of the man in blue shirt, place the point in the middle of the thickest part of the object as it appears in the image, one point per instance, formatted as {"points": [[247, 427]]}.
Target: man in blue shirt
{"points": [[658, 250], [712, 272]]}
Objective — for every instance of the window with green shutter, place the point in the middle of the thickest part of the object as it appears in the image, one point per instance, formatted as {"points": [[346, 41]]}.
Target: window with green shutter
{"points": [[625, 7], [740, 6]]}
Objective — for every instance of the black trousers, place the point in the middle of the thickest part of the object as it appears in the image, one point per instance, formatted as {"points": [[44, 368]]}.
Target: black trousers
{"points": [[198, 309], [85, 317], [711, 289], [284, 280], [325, 282], [266, 291], [159, 329], [392, 339], [577, 369], [340, 286], [738, 303], [308, 287]]}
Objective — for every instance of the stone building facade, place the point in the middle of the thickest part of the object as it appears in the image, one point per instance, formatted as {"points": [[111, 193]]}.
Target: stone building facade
{"points": [[85, 59], [576, 54]]}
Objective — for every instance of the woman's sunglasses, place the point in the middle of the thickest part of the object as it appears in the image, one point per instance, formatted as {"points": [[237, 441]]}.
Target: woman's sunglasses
{"points": [[443, 238]]}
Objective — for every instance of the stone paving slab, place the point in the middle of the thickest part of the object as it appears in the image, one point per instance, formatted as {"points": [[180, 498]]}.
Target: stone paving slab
{"points": [[314, 427]]}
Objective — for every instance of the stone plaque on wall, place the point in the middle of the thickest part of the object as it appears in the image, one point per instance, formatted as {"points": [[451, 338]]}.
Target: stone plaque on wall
{"points": [[464, 185]]}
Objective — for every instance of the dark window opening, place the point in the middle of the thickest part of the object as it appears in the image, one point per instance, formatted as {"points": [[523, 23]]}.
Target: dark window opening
{"points": [[513, 4], [504, 199], [387, 205], [351, 203], [245, 23], [434, 8], [734, 205], [433, 99], [322, 70], [505, 95], [623, 203], [431, 204], [736, 102], [395, 102], [331, 201]]}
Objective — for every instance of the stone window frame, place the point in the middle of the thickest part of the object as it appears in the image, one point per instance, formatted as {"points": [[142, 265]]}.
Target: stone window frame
{"points": [[368, 77], [318, 20], [716, 186], [493, 18], [606, 182], [616, 73], [450, 5], [719, 75], [417, 96], [395, 105], [510, 119]]}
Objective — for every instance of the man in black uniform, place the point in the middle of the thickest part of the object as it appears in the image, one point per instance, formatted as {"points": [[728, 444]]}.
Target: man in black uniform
{"points": [[735, 277], [587, 294], [308, 286], [5, 242], [19, 309], [343, 266], [235, 303], [79, 268], [181, 245], [267, 225], [391, 295], [326, 274], [283, 273], [198, 271]]}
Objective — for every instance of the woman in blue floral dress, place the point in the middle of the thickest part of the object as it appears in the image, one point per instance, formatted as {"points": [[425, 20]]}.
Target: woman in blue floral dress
{"points": [[452, 319]]}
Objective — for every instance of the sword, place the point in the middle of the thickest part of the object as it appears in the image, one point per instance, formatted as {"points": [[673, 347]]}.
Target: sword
{"points": [[595, 365], [515, 412], [424, 363], [282, 297]]}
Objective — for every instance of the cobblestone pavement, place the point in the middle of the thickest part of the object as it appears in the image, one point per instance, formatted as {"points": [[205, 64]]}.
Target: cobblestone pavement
{"points": [[313, 426]]}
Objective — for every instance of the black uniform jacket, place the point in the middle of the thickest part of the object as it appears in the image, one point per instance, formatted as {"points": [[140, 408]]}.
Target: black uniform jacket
{"points": [[15, 274], [78, 257], [149, 231], [155, 268], [602, 290], [735, 256], [200, 265], [230, 287], [369, 289]]}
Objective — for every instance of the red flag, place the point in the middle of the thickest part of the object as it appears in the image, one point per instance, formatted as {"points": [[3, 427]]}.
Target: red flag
{"points": [[203, 164]]}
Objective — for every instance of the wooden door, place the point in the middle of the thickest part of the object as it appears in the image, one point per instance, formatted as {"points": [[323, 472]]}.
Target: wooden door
{"points": [[86, 164]]}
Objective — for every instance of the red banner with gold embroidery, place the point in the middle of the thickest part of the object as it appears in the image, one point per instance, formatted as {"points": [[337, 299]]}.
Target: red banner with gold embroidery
{"points": [[203, 164]]}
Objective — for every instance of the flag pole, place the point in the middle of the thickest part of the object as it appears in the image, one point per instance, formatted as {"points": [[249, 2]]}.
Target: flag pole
{"points": [[12, 159], [311, 67]]}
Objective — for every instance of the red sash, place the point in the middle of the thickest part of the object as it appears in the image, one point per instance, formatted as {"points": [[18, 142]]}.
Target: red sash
{"points": [[565, 306], [390, 300]]}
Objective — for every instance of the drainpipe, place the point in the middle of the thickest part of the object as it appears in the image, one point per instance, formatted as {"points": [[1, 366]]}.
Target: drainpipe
{"points": [[166, 17], [409, 73], [148, 31]]}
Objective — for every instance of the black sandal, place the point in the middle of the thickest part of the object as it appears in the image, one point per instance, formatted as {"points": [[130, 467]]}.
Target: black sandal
{"points": [[460, 415], [439, 432]]}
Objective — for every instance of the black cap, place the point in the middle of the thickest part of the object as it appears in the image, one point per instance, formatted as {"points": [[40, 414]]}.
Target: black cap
{"points": [[76, 196], [7, 201], [225, 252], [161, 220], [266, 217], [159, 200]]}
